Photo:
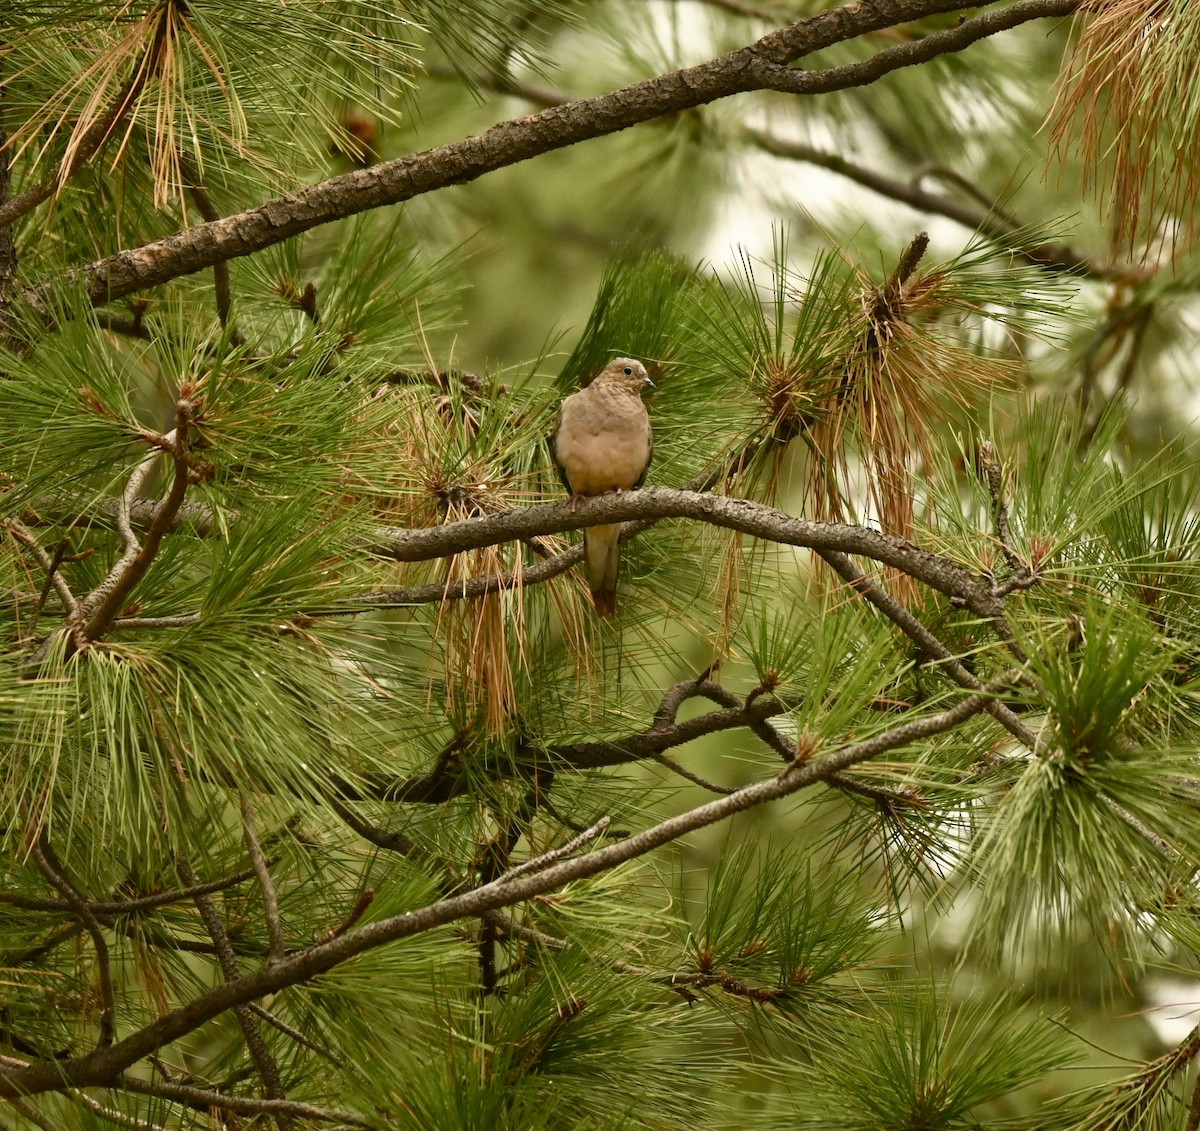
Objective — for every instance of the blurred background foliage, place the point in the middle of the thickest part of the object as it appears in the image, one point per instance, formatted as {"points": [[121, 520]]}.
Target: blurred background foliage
{"points": [[959, 936]]}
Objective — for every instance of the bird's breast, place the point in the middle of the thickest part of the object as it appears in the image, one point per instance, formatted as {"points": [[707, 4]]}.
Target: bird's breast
{"points": [[603, 451]]}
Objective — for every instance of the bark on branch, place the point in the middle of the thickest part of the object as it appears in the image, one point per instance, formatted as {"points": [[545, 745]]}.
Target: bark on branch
{"points": [[720, 510], [104, 1065], [763, 65]]}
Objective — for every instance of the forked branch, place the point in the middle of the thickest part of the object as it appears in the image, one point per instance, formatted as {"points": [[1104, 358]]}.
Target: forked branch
{"points": [[763, 65]]}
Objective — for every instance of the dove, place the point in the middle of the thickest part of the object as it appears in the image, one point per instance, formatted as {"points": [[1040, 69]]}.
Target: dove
{"points": [[602, 444]]}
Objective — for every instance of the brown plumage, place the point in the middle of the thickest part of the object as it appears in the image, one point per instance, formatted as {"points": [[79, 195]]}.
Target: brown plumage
{"points": [[602, 443]]}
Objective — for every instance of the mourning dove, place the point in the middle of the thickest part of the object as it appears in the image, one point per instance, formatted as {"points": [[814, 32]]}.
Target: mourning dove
{"points": [[602, 443]]}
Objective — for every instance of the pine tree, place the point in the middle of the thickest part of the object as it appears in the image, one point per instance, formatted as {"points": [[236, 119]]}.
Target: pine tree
{"points": [[326, 798]]}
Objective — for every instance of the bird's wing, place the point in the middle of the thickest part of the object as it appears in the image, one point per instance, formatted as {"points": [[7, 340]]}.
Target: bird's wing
{"points": [[649, 453], [552, 444]]}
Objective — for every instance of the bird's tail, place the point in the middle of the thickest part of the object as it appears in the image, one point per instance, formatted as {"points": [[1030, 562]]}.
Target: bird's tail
{"points": [[602, 550]]}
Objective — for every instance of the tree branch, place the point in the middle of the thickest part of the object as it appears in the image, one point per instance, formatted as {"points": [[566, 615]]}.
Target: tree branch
{"points": [[51, 867], [762, 65], [89, 145], [104, 1064], [263, 874], [733, 514], [926, 641], [71, 605], [268, 1069], [915, 51], [447, 781], [202, 1099], [102, 605], [100, 907], [222, 286], [990, 222]]}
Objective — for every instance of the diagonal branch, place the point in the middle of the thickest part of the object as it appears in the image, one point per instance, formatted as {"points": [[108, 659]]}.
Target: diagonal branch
{"points": [[89, 144], [102, 605], [104, 908], [763, 65], [916, 51], [51, 867], [989, 222], [926, 641], [53, 576], [267, 1067], [263, 874], [105, 1064]]}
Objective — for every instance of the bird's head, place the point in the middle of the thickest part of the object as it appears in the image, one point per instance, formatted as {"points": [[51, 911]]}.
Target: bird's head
{"points": [[626, 373]]}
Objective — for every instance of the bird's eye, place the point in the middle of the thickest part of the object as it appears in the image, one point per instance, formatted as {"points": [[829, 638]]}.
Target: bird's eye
{"points": [[628, 371]]}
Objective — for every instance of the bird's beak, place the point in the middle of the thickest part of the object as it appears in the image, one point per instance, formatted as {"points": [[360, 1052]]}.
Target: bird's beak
{"points": [[647, 381]]}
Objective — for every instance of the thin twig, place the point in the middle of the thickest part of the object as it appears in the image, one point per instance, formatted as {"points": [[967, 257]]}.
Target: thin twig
{"points": [[994, 478], [112, 1115], [51, 867], [90, 143], [506, 928], [102, 605], [540, 863], [202, 1099], [204, 204], [68, 599], [181, 620], [108, 908], [786, 748], [365, 898], [263, 874], [992, 222], [297, 1036], [386, 839], [694, 778], [264, 1061], [33, 1115], [926, 641]]}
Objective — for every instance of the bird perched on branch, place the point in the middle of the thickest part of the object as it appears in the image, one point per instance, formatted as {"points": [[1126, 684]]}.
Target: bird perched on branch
{"points": [[601, 444]]}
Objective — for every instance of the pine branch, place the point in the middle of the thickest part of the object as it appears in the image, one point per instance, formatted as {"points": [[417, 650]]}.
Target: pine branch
{"points": [[111, 1115], [53, 576], [204, 1099], [33, 1115], [925, 640], [446, 781], [266, 885], [222, 286], [763, 65], [294, 1034], [103, 1065], [111, 908], [264, 1061], [748, 517], [83, 147], [989, 221], [542, 862], [101, 606], [993, 476], [915, 51], [51, 867], [694, 778]]}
